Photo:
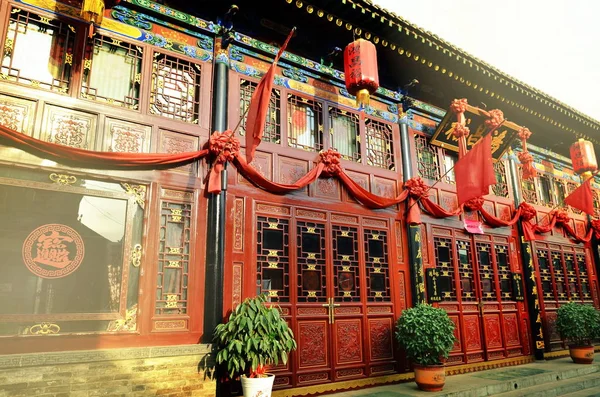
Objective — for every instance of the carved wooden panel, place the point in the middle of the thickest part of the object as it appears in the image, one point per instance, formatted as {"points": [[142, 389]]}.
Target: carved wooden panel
{"points": [[402, 290], [551, 326], [290, 170], [504, 211], [238, 225], [327, 188], [262, 163], [493, 334], [174, 142], [272, 209], [17, 114], [236, 288], [448, 200], [384, 187], [472, 332], [457, 342], [489, 207], [349, 373], [125, 137], [69, 127], [313, 378], [362, 179], [348, 341], [380, 337], [313, 339], [399, 246], [344, 218], [311, 214], [511, 329]]}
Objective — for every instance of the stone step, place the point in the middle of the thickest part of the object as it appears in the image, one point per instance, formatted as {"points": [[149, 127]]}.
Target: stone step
{"points": [[524, 384], [560, 386], [592, 392]]}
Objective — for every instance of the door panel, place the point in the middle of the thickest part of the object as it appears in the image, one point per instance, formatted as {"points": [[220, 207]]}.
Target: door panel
{"points": [[333, 281], [348, 344], [476, 285], [313, 337]]}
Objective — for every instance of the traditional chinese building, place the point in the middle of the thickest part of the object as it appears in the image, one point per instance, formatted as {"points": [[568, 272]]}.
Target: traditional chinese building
{"points": [[115, 278]]}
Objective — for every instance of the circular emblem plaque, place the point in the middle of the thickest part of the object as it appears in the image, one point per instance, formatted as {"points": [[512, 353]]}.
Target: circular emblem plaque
{"points": [[53, 251]]}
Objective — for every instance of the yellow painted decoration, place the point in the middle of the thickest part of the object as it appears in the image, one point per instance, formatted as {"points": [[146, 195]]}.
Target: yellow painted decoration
{"points": [[93, 11]]}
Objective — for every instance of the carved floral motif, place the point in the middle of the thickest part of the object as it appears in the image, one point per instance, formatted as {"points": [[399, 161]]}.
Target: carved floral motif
{"points": [[349, 341], [313, 344], [381, 339]]}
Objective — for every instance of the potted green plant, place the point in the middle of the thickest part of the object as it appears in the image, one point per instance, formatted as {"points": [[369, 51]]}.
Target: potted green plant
{"points": [[254, 336], [579, 324], [427, 335]]}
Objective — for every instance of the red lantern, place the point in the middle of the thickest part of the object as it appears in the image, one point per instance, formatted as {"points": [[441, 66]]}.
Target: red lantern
{"points": [[360, 67], [583, 157]]}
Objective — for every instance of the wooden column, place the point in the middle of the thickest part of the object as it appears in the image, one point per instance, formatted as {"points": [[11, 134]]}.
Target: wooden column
{"points": [[215, 229], [415, 243], [531, 289]]}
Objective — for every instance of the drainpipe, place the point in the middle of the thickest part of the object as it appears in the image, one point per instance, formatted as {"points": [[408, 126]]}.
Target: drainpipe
{"points": [[415, 243], [533, 300]]}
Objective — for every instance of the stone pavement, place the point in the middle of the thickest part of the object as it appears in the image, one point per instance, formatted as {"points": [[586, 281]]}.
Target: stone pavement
{"points": [[551, 378]]}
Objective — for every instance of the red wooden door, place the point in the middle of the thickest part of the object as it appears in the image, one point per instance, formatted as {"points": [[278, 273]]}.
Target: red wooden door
{"points": [[566, 273], [478, 294], [332, 278]]}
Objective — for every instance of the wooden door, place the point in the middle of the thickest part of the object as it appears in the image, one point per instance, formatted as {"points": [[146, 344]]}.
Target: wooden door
{"points": [[332, 279], [481, 295]]}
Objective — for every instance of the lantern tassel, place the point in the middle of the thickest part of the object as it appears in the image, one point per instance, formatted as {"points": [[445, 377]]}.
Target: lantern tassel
{"points": [[363, 97]]}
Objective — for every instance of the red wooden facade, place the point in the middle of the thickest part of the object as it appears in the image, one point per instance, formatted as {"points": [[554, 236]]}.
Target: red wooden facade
{"points": [[339, 271]]}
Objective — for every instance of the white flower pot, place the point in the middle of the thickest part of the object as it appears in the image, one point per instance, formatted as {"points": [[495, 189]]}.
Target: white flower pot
{"points": [[258, 387]]}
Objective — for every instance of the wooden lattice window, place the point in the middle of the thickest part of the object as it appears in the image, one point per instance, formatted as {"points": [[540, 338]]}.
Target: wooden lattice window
{"points": [[428, 165], [311, 259], [175, 89], [305, 123], [173, 258], [486, 271], [444, 257], [346, 268], [528, 190], [545, 273], [504, 273], [465, 269], [112, 72], [583, 279], [546, 190], [574, 286], [380, 144], [344, 130], [38, 51], [377, 266], [272, 258], [449, 159], [501, 187], [559, 275], [272, 131]]}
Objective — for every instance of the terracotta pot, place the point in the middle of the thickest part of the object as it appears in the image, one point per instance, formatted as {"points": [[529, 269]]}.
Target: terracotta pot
{"points": [[582, 354], [430, 377]]}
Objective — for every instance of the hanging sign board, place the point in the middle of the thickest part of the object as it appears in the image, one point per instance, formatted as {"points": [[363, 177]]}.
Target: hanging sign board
{"points": [[475, 120]]}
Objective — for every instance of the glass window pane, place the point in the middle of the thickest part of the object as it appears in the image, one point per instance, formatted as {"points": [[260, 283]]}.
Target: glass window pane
{"points": [[49, 64], [112, 72]]}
